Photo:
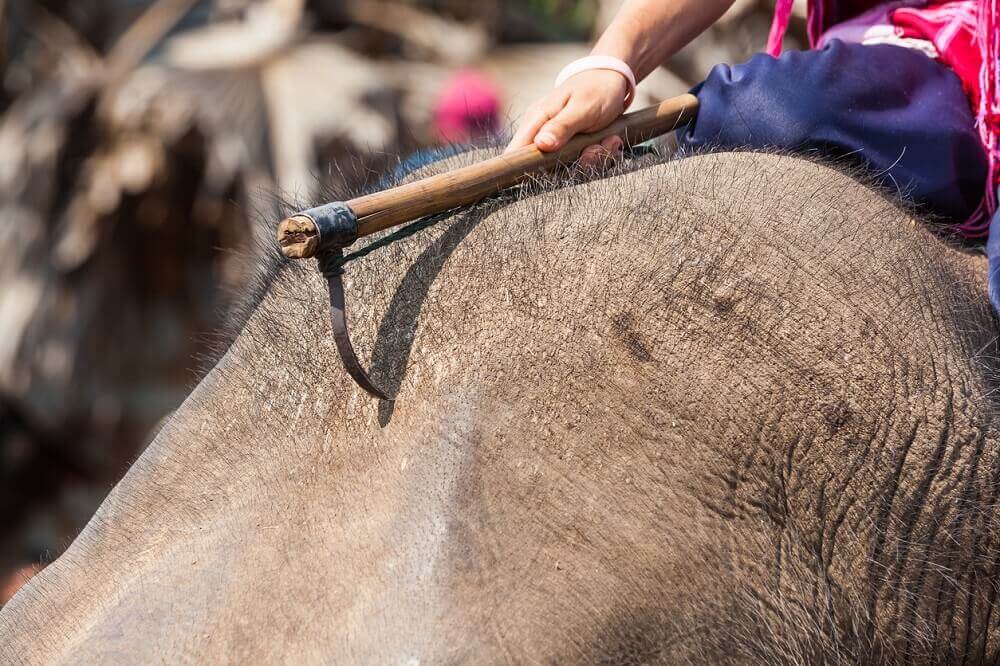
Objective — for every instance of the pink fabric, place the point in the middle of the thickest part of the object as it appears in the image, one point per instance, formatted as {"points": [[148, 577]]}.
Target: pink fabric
{"points": [[468, 106], [966, 34], [779, 26], [988, 117]]}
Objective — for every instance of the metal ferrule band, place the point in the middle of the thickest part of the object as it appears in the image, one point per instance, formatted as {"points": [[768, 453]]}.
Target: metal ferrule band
{"points": [[336, 223]]}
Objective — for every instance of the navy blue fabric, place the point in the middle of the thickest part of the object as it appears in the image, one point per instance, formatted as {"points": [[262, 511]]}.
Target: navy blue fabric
{"points": [[993, 254], [895, 110]]}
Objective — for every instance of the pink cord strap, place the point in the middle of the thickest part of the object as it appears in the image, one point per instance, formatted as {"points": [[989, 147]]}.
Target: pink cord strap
{"points": [[988, 114], [779, 26], [600, 62]]}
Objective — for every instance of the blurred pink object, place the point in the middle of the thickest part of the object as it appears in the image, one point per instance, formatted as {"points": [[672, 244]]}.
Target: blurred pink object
{"points": [[467, 107]]}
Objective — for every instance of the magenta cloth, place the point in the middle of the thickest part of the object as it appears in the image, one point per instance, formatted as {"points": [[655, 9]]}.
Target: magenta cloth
{"points": [[467, 107], [854, 29], [824, 15]]}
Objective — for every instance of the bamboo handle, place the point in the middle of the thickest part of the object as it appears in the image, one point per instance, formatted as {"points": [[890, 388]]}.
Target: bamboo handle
{"points": [[382, 210]]}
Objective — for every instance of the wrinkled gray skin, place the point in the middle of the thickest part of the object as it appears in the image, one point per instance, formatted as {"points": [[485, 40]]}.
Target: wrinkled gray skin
{"points": [[731, 408]]}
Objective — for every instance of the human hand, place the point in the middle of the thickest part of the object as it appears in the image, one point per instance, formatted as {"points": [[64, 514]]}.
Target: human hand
{"points": [[586, 102]]}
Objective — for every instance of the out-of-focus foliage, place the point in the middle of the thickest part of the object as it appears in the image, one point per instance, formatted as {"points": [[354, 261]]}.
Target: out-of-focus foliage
{"points": [[568, 19]]}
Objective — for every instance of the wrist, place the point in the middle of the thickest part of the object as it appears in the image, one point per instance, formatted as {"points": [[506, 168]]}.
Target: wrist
{"points": [[602, 62], [618, 51]]}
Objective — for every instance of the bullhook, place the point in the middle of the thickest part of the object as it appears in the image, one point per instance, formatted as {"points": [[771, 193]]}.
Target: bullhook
{"points": [[325, 231]]}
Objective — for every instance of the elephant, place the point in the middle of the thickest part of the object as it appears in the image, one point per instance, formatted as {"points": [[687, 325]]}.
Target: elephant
{"points": [[737, 407]]}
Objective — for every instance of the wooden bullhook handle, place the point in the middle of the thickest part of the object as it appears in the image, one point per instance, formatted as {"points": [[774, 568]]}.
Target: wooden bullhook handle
{"points": [[381, 210]]}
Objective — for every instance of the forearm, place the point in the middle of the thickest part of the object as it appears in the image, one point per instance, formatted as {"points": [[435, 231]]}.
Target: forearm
{"points": [[644, 33]]}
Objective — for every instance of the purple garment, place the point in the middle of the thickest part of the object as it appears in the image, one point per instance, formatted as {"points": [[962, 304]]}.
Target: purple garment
{"points": [[853, 30], [825, 14], [993, 255], [893, 110]]}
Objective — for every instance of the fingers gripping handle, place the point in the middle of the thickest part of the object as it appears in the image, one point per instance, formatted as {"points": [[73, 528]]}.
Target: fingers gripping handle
{"points": [[467, 185]]}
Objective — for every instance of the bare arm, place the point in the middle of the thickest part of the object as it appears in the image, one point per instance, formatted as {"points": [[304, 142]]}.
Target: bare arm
{"points": [[644, 33]]}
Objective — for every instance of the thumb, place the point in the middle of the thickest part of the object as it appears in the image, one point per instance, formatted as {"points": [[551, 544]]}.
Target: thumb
{"points": [[554, 134]]}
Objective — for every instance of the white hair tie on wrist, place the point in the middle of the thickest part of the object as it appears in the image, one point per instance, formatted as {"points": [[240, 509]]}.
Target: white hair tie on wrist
{"points": [[600, 62]]}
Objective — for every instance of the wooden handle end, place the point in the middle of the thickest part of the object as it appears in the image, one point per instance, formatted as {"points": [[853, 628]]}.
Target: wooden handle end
{"points": [[298, 237]]}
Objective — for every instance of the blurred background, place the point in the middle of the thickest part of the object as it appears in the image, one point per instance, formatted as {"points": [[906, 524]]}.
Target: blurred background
{"points": [[145, 143]]}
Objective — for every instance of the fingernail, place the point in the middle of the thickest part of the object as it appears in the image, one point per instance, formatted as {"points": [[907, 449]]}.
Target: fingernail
{"points": [[546, 138]]}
